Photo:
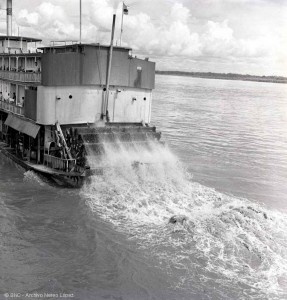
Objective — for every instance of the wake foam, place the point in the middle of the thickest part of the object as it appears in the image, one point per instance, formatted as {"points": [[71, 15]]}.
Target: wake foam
{"points": [[227, 243], [31, 176]]}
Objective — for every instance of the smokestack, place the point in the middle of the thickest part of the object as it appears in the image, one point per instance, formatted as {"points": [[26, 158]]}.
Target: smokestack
{"points": [[9, 17]]}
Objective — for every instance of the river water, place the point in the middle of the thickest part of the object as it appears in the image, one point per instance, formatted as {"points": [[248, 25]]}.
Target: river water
{"points": [[224, 167]]}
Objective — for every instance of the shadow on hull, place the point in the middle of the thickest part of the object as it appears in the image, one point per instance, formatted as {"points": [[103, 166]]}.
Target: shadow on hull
{"points": [[55, 177]]}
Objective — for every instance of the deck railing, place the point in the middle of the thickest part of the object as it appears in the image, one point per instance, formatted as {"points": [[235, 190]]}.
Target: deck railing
{"points": [[66, 165], [11, 107], [21, 76]]}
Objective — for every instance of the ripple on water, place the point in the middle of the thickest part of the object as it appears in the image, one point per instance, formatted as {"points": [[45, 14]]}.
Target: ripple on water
{"points": [[228, 244]]}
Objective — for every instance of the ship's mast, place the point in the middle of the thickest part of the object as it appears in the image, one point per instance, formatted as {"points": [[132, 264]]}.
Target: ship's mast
{"points": [[9, 17], [106, 103], [80, 21]]}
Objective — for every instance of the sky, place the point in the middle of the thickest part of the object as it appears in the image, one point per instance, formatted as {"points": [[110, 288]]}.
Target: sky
{"points": [[224, 36]]}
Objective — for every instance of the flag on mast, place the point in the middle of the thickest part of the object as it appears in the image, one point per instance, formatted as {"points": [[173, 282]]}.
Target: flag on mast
{"points": [[125, 9]]}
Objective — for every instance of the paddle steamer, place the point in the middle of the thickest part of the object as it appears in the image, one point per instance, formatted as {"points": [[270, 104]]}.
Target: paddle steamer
{"points": [[56, 99]]}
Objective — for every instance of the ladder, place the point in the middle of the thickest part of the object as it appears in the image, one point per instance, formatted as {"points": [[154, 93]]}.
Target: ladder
{"points": [[59, 130]]}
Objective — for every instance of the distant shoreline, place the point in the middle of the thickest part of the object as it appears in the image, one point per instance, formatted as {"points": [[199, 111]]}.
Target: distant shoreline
{"points": [[227, 76]]}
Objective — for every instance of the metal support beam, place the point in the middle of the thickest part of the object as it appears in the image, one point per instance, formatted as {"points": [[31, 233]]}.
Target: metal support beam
{"points": [[106, 105], [39, 148]]}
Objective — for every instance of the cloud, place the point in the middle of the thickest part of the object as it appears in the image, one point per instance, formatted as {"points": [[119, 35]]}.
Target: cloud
{"points": [[176, 38], [218, 40], [179, 13], [216, 31], [100, 14], [50, 12], [172, 37], [28, 19], [48, 20]]}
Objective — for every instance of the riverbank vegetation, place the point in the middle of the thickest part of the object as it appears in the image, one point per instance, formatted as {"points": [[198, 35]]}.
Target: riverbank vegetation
{"points": [[227, 76]]}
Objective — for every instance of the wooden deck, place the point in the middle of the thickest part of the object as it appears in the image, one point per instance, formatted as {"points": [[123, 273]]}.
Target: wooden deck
{"points": [[71, 179]]}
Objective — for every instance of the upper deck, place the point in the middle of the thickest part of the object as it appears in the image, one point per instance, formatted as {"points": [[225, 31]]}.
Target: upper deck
{"points": [[68, 84], [17, 62], [16, 44], [74, 83], [73, 65], [86, 64]]}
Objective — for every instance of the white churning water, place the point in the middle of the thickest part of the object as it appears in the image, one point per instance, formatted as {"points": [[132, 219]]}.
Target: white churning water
{"points": [[112, 239], [229, 247]]}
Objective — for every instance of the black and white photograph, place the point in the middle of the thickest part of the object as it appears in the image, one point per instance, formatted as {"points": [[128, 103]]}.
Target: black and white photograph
{"points": [[143, 149]]}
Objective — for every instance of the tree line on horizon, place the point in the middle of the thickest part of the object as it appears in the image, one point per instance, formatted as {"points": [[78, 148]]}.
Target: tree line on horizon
{"points": [[228, 76]]}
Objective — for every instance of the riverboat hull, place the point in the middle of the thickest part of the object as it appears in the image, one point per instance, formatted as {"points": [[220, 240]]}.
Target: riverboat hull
{"points": [[60, 178], [63, 107]]}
